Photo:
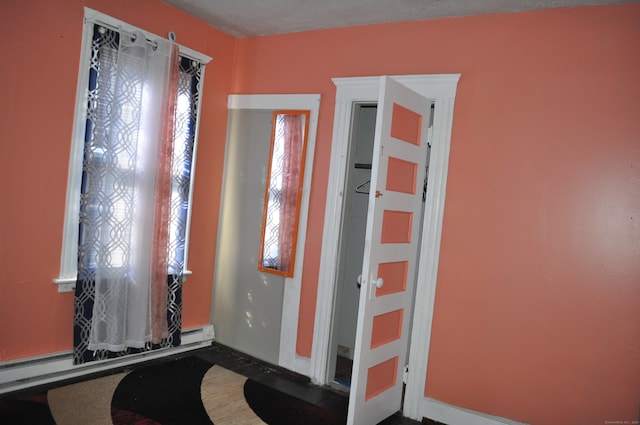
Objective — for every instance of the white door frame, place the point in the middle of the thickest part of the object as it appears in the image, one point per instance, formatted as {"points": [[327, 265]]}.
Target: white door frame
{"points": [[441, 89]]}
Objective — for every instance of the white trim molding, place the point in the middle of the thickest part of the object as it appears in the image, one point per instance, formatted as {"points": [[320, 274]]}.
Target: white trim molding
{"points": [[291, 299], [448, 414], [26, 373], [429, 254]]}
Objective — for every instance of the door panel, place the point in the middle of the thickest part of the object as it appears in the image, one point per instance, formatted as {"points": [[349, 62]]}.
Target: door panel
{"points": [[390, 253], [387, 327]]}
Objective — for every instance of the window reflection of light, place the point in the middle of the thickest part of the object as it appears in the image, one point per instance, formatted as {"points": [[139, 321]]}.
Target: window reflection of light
{"points": [[181, 138]]}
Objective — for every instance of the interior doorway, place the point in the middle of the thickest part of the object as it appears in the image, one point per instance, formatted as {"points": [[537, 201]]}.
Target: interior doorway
{"points": [[353, 226], [255, 312]]}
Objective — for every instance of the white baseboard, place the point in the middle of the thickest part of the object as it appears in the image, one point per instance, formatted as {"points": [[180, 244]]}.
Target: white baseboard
{"points": [[303, 366], [448, 414], [25, 373], [297, 364]]}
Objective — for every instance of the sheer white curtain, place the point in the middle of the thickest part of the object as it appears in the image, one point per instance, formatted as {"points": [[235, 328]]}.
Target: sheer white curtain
{"points": [[127, 191]]}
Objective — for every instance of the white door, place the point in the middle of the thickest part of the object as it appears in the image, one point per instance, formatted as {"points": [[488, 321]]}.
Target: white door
{"points": [[390, 253]]}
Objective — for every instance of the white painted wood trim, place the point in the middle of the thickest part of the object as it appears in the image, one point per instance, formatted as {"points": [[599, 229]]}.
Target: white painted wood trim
{"points": [[301, 365], [442, 89], [292, 287], [275, 101], [25, 373], [349, 91], [429, 256], [66, 280], [194, 156], [448, 414]]}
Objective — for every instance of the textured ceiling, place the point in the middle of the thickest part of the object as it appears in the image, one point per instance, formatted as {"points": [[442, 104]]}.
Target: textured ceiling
{"points": [[242, 18]]}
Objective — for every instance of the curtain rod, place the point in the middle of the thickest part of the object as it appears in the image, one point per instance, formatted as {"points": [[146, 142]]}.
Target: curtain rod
{"points": [[132, 35], [94, 17]]}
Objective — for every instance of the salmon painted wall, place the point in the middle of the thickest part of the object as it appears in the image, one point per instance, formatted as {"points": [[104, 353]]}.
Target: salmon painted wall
{"points": [[536, 315], [41, 44]]}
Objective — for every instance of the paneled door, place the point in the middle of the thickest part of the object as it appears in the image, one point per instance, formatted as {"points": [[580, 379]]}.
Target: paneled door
{"points": [[390, 253]]}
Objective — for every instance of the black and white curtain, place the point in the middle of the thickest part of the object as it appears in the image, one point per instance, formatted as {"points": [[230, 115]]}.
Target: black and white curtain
{"points": [[139, 144]]}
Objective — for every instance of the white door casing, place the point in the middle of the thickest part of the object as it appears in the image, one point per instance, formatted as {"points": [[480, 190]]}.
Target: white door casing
{"points": [[441, 90]]}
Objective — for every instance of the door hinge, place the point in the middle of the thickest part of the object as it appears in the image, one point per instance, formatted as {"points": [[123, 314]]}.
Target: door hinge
{"points": [[405, 374]]}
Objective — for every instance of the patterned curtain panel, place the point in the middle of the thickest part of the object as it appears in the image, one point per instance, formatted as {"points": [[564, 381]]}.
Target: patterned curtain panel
{"points": [[293, 140], [140, 133]]}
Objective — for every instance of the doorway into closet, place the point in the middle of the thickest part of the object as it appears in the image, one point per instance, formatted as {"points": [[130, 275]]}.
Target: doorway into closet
{"points": [[353, 226]]}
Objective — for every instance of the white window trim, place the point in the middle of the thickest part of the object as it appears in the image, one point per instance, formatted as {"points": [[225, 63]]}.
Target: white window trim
{"points": [[69, 258]]}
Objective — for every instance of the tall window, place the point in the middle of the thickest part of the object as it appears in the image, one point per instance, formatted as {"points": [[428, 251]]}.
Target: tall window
{"points": [[118, 154], [271, 246], [283, 193], [128, 200]]}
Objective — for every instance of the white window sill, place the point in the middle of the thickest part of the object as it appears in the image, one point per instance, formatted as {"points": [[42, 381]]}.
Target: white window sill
{"points": [[68, 284]]}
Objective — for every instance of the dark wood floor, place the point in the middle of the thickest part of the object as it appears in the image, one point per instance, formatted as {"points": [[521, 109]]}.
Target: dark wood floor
{"points": [[288, 382]]}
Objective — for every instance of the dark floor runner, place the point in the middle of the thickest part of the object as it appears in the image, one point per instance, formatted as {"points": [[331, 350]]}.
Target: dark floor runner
{"points": [[168, 394], [277, 408], [28, 410]]}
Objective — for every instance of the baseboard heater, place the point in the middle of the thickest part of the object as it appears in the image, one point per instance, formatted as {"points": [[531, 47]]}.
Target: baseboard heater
{"points": [[26, 373]]}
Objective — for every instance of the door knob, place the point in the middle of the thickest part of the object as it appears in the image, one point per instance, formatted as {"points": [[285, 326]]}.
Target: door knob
{"points": [[359, 280], [376, 283], [379, 282]]}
